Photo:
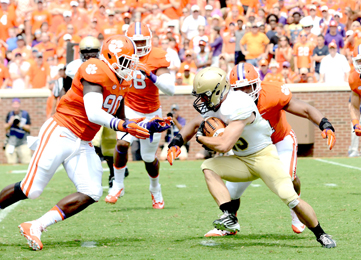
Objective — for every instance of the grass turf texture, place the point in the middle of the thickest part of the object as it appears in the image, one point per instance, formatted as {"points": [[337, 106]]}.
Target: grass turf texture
{"points": [[132, 229]]}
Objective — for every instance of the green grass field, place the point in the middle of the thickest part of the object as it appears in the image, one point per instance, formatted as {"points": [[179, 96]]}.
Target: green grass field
{"points": [[132, 229]]}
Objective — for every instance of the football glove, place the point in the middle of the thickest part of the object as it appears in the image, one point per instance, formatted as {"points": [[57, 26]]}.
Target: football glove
{"points": [[156, 125], [173, 152], [331, 138], [201, 133], [356, 127], [147, 72], [131, 126]]}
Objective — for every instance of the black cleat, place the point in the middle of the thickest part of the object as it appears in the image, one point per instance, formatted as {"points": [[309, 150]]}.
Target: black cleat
{"points": [[126, 172], [326, 241], [228, 222]]}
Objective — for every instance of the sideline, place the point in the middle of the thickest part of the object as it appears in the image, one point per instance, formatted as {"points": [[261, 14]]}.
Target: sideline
{"points": [[338, 164], [5, 212]]}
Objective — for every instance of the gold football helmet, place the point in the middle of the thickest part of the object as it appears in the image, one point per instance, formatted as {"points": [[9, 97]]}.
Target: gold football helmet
{"points": [[211, 87], [89, 48]]}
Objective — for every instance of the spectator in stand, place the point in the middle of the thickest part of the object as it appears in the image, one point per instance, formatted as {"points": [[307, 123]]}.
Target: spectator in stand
{"points": [[264, 70], [334, 36], [274, 75], [307, 28], [17, 125], [271, 21], [302, 52], [170, 9], [224, 65], [277, 12], [188, 76], [239, 33], [182, 51], [287, 73], [4, 75], [229, 42], [315, 20], [90, 30], [295, 28], [22, 48], [216, 45], [208, 13], [155, 41], [334, 67], [173, 58], [63, 27], [340, 27], [18, 69], [303, 76], [280, 46], [79, 18], [349, 45], [156, 19], [191, 23], [56, 9], [39, 16], [203, 58], [190, 62], [194, 42], [179, 79], [7, 18], [319, 52], [111, 28], [325, 20], [46, 47], [39, 75], [185, 14], [11, 41], [37, 38], [232, 16], [253, 45]]}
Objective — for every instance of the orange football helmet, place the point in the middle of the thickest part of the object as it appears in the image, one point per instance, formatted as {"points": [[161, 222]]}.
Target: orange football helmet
{"points": [[356, 59], [140, 32], [244, 75], [118, 52]]}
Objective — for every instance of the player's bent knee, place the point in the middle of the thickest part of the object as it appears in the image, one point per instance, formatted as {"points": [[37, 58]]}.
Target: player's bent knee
{"points": [[94, 192], [285, 190], [121, 144], [148, 158], [293, 203]]}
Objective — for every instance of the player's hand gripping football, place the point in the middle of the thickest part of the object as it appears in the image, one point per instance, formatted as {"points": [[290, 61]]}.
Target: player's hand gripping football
{"points": [[131, 126], [331, 138], [356, 127], [156, 125], [173, 152]]}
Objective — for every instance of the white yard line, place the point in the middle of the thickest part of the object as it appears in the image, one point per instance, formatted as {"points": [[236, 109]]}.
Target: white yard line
{"points": [[339, 164], [5, 212]]}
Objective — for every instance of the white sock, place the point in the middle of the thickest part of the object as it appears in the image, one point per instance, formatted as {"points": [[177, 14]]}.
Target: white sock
{"points": [[119, 175], [154, 182], [51, 217]]}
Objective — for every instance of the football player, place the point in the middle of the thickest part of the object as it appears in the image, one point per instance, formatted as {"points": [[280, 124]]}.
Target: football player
{"points": [[355, 82], [272, 100], [143, 101], [93, 101], [249, 136]]}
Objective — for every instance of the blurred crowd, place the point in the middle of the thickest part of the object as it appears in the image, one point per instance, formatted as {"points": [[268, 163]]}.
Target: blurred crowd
{"points": [[293, 41]]}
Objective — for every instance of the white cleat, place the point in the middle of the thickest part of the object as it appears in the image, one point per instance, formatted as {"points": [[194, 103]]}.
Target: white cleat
{"points": [[157, 198], [32, 232], [115, 193], [297, 225], [219, 233]]}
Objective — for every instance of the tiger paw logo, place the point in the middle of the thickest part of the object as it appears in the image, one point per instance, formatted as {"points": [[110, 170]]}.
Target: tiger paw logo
{"points": [[116, 46], [285, 90], [91, 69]]}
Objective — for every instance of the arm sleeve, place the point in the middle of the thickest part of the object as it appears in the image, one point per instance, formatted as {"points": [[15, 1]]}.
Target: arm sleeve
{"points": [[93, 103], [165, 83]]}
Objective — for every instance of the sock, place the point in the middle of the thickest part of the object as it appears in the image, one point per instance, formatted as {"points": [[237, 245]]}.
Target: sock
{"points": [[318, 231], [52, 216], [119, 174], [235, 205], [153, 172], [154, 182], [228, 206]]}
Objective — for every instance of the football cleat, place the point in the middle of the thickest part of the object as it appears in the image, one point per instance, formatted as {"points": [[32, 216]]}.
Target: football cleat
{"points": [[297, 225], [227, 222], [32, 232], [115, 193], [157, 198], [326, 241], [126, 173], [219, 233]]}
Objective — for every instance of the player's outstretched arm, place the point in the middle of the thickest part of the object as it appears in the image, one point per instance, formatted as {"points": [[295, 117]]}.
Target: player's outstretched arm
{"points": [[224, 143], [93, 104], [355, 112], [187, 132], [162, 79], [303, 109]]}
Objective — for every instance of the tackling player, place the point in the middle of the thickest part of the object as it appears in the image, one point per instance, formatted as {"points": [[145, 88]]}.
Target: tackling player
{"points": [[272, 100], [143, 101], [93, 100], [249, 136], [355, 82]]}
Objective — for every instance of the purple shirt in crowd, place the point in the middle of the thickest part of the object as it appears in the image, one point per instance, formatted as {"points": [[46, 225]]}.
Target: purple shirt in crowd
{"points": [[217, 46], [337, 38], [261, 75]]}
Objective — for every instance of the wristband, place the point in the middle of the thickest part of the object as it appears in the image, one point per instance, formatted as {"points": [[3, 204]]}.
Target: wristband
{"points": [[355, 122], [153, 77], [176, 141], [325, 124]]}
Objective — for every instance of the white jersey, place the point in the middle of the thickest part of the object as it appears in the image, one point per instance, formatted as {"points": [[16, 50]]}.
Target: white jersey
{"points": [[239, 106], [72, 68]]}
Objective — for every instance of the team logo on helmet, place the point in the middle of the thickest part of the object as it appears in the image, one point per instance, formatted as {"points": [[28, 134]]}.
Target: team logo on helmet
{"points": [[116, 46]]}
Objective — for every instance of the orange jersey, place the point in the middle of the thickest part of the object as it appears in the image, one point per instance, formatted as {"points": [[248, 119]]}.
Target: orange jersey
{"points": [[303, 53], [143, 95], [70, 111], [274, 78], [355, 82], [273, 97]]}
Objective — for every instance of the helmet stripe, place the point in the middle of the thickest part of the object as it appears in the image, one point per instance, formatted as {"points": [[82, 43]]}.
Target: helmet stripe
{"points": [[237, 71], [137, 28], [359, 49], [240, 71]]}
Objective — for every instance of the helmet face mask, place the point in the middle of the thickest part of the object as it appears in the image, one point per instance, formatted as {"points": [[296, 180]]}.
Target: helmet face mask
{"points": [[142, 37], [89, 48], [357, 63]]}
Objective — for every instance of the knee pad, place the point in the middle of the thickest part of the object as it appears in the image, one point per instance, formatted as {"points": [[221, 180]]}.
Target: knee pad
{"points": [[148, 158], [293, 203]]}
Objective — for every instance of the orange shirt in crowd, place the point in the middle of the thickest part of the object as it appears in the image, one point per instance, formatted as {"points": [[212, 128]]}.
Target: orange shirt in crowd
{"points": [[88, 31], [38, 17], [25, 52], [62, 28], [110, 30], [4, 74], [229, 43], [38, 75], [8, 20], [192, 66], [48, 49], [299, 79], [170, 12], [121, 3], [80, 19], [274, 78], [239, 7], [256, 44], [303, 53]]}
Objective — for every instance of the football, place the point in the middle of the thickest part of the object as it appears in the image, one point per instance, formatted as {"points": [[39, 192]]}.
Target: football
{"points": [[213, 127]]}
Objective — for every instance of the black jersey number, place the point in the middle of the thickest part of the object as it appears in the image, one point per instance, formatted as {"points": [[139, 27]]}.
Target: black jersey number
{"points": [[240, 145]]}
